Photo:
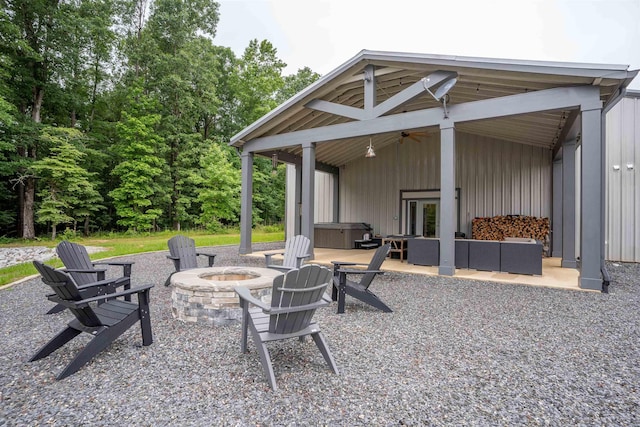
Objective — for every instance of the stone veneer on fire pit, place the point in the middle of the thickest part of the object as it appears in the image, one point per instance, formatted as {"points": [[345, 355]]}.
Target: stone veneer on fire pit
{"points": [[205, 295]]}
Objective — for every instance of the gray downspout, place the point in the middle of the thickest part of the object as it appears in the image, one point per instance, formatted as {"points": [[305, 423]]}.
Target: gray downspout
{"points": [[606, 279]]}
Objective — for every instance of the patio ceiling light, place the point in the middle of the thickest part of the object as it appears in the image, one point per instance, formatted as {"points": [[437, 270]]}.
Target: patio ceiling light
{"points": [[370, 153]]}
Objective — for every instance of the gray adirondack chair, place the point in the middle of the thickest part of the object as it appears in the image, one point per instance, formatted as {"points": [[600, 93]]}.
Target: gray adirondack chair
{"points": [[84, 271], [296, 249], [105, 322], [183, 253], [342, 286], [295, 297]]}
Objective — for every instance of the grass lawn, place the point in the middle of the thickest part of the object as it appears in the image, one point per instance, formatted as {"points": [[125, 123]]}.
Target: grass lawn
{"points": [[126, 245]]}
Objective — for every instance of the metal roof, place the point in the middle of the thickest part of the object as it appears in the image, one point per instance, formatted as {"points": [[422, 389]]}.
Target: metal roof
{"points": [[478, 79]]}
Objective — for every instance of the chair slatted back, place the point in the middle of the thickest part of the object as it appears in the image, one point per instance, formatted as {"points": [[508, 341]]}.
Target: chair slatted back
{"points": [[376, 262], [184, 248], [298, 288], [295, 247], [66, 289], [75, 256]]}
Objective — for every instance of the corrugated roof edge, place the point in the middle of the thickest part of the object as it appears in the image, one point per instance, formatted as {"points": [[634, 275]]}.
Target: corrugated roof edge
{"points": [[569, 68]]}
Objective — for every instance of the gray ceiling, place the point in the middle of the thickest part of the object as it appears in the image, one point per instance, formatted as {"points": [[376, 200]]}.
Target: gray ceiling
{"points": [[478, 79]]}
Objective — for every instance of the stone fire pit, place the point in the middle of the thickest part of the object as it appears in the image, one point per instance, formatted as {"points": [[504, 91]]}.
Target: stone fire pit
{"points": [[206, 295]]}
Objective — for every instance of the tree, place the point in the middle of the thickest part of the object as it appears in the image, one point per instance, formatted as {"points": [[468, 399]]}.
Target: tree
{"points": [[220, 186], [139, 193], [181, 76], [67, 190], [296, 83], [50, 45], [256, 83]]}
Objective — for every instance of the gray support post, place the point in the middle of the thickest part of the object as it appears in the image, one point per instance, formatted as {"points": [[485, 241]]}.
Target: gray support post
{"points": [[556, 215], [336, 198], [369, 91], [569, 204], [246, 204], [298, 198], [590, 209], [447, 199], [308, 191]]}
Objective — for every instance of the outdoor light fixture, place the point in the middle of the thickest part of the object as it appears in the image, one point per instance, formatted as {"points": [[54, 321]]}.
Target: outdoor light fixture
{"points": [[441, 94], [370, 153], [274, 164]]}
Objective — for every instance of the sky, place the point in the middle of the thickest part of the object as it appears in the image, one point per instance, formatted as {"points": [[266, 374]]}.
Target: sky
{"points": [[324, 34]]}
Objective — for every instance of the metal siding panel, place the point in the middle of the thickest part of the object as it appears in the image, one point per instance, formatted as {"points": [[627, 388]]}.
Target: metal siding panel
{"points": [[614, 127], [623, 191], [628, 180], [488, 175], [323, 197], [636, 174]]}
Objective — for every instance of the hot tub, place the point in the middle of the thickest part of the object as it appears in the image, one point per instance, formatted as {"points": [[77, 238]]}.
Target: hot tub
{"points": [[338, 235]]}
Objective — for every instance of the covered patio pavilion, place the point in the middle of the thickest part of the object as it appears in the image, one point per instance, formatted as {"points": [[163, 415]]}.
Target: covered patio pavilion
{"points": [[547, 116]]}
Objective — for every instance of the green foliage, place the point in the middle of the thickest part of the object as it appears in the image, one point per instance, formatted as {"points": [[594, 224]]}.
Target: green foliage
{"points": [[67, 190], [153, 102], [296, 83], [257, 82], [220, 188], [138, 172]]}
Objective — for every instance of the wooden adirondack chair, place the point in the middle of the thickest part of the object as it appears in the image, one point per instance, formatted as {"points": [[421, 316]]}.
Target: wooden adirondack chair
{"points": [[84, 271], [296, 249], [343, 286], [295, 297], [183, 253], [105, 322]]}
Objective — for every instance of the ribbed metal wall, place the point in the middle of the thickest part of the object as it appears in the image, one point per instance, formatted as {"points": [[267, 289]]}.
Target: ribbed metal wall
{"points": [[495, 178], [324, 199], [324, 204], [623, 181]]}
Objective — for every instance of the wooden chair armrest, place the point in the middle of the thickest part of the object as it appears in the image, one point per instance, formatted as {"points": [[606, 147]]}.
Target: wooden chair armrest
{"points": [[136, 290], [205, 254], [280, 268], [338, 263], [116, 282], [84, 270], [356, 271], [84, 302], [121, 263], [285, 310], [245, 295], [269, 255], [276, 252]]}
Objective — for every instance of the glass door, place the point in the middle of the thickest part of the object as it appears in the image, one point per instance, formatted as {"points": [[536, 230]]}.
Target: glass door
{"points": [[423, 217]]}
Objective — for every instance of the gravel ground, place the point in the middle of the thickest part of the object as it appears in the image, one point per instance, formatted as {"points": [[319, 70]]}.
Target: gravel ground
{"points": [[454, 352]]}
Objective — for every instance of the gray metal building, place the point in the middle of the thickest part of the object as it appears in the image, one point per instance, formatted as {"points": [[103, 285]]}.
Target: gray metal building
{"points": [[623, 180], [454, 138]]}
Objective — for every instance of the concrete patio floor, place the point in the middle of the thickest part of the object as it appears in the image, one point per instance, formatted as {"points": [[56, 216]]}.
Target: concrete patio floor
{"points": [[553, 276]]}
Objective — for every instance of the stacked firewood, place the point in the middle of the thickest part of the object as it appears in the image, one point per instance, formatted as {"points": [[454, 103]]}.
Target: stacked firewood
{"points": [[499, 227]]}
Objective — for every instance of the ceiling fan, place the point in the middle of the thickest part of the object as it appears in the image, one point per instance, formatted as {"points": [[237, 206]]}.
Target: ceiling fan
{"points": [[412, 135]]}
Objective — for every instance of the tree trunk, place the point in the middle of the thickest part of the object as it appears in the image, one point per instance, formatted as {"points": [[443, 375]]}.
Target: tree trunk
{"points": [[53, 232], [86, 226], [28, 226], [26, 214]]}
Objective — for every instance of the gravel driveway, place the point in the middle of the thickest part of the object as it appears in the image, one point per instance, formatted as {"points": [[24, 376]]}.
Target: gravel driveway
{"points": [[454, 352]]}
